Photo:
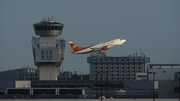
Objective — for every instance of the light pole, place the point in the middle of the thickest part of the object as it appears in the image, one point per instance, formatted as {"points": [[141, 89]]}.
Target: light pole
{"points": [[82, 79], [115, 80], [179, 83], [75, 82], [101, 81], [97, 85], [67, 79], [106, 82], [153, 84]]}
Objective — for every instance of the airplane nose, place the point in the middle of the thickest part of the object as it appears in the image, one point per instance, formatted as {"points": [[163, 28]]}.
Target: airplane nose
{"points": [[124, 40]]}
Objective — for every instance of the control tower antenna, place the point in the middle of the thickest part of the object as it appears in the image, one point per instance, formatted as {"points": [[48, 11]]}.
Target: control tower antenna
{"points": [[52, 18]]}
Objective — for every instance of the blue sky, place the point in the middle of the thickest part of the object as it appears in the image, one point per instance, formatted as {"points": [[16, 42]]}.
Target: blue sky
{"points": [[149, 26]]}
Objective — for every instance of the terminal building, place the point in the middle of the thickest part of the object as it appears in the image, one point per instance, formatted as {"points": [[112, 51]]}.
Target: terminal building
{"points": [[48, 48], [117, 68]]}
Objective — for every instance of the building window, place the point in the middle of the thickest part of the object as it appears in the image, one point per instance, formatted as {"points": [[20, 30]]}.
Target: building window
{"points": [[55, 27], [42, 52], [42, 55], [41, 27], [44, 27], [176, 89], [141, 76], [50, 52], [48, 27], [52, 27], [46, 54]]}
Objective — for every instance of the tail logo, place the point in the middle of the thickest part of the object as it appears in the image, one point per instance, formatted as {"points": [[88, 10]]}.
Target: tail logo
{"points": [[74, 47]]}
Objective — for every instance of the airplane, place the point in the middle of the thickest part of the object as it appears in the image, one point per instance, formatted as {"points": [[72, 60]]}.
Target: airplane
{"points": [[102, 46]]}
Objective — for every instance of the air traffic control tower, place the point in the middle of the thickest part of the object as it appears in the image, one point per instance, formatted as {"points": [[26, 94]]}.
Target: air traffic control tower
{"points": [[48, 48]]}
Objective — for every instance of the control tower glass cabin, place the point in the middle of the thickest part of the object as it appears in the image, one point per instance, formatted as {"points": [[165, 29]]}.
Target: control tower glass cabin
{"points": [[48, 48]]}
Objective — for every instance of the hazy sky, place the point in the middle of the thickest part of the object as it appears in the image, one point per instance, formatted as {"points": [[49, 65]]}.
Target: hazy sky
{"points": [[149, 26]]}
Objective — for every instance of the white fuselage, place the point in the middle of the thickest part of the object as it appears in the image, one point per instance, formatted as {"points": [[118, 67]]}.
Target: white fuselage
{"points": [[98, 47]]}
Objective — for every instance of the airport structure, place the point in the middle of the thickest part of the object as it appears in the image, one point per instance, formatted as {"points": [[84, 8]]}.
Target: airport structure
{"points": [[117, 68], [48, 48]]}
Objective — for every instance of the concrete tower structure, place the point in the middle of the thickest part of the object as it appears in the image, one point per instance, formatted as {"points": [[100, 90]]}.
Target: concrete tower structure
{"points": [[48, 48]]}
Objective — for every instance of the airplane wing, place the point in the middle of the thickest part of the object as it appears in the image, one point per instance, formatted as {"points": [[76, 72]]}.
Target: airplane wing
{"points": [[96, 49]]}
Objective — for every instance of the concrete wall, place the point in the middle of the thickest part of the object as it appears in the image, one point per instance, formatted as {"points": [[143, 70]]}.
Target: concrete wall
{"points": [[48, 72], [163, 73], [22, 84], [166, 89], [6, 84], [140, 85]]}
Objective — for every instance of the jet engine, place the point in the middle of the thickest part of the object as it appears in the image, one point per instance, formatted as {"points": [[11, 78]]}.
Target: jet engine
{"points": [[105, 48]]}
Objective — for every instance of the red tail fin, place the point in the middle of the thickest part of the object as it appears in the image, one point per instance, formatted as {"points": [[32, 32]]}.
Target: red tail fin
{"points": [[75, 47]]}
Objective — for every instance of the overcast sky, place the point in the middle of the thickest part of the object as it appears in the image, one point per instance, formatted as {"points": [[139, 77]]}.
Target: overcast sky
{"points": [[149, 26]]}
